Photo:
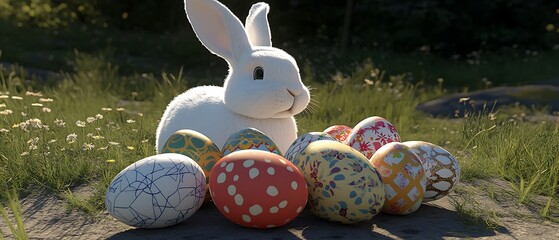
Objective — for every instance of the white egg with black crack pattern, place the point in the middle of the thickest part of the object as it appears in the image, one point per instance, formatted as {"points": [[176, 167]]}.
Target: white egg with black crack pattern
{"points": [[157, 191]]}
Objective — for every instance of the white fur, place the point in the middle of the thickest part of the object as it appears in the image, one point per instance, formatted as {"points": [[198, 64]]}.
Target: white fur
{"points": [[257, 27], [267, 105]]}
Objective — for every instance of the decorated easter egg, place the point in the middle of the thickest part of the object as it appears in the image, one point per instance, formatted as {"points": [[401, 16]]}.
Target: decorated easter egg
{"points": [[249, 138], [302, 142], [441, 169], [195, 145], [403, 176], [371, 134], [157, 191], [258, 189], [339, 132], [343, 185]]}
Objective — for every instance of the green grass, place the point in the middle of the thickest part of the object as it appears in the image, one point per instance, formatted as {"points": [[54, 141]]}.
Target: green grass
{"points": [[524, 154], [467, 206], [78, 131], [18, 230], [349, 99], [89, 126], [89, 206]]}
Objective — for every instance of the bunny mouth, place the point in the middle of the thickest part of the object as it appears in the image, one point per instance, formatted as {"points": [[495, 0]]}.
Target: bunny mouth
{"points": [[284, 114], [298, 104], [292, 94]]}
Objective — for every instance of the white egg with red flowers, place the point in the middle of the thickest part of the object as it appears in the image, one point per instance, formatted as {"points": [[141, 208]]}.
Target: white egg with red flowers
{"points": [[371, 134]]}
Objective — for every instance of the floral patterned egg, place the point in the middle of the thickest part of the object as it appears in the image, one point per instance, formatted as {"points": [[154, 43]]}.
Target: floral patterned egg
{"points": [[403, 176], [302, 142], [343, 185], [258, 189], [371, 134], [339, 132], [249, 138], [441, 168], [197, 146], [157, 191]]}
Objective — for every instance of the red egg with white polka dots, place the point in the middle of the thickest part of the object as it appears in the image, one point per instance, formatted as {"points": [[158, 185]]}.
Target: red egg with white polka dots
{"points": [[258, 189]]}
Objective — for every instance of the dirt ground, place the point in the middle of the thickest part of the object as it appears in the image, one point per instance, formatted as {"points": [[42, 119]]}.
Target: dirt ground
{"points": [[47, 217]]}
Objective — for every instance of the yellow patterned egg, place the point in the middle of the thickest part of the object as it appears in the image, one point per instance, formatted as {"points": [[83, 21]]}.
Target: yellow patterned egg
{"points": [[403, 176], [441, 169], [343, 185], [249, 138], [197, 146]]}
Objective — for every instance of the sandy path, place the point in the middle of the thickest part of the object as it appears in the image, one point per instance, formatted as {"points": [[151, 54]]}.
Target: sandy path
{"points": [[47, 218]]}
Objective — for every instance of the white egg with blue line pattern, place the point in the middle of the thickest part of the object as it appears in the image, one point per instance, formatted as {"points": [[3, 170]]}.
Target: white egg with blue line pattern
{"points": [[157, 191]]}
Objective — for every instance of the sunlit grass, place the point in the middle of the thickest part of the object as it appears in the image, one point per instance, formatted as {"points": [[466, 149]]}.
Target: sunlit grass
{"points": [[70, 142], [525, 154], [77, 132]]}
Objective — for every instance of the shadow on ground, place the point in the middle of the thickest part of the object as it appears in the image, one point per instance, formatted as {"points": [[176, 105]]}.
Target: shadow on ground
{"points": [[429, 222]]}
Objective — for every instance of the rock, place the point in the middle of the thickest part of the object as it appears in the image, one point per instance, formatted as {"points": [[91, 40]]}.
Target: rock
{"points": [[491, 99], [553, 82], [39, 74]]}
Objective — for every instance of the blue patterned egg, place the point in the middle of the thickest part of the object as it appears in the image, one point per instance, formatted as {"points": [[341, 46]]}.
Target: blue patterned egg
{"points": [[343, 185], [302, 142], [157, 191], [249, 138]]}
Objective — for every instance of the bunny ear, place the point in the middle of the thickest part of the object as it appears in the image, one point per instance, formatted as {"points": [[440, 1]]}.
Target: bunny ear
{"points": [[256, 25], [217, 28]]}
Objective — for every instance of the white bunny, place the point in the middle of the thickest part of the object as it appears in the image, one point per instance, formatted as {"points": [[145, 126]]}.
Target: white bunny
{"points": [[263, 89]]}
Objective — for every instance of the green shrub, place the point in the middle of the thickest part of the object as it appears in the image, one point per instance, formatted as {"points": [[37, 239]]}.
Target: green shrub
{"points": [[49, 13]]}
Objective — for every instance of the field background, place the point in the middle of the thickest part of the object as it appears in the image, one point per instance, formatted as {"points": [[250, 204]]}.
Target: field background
{"points": [[82, 86]]}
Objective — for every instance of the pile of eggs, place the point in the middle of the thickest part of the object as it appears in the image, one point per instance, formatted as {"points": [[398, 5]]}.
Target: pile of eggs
{"points": [[345, 175]]}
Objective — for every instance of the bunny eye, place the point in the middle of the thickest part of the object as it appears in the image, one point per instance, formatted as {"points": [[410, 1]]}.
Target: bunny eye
{"points": [[258, 73]]}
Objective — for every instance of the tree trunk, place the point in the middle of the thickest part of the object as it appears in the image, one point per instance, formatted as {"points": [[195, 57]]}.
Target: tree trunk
{"points": [[346, 27]]}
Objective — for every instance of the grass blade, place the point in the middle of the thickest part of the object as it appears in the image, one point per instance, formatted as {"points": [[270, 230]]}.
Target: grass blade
{"points": [[18, 231]]}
